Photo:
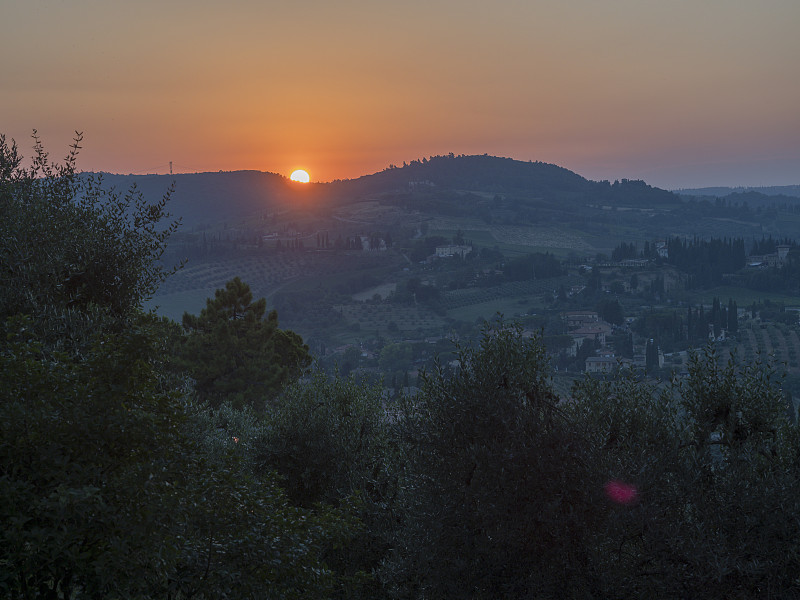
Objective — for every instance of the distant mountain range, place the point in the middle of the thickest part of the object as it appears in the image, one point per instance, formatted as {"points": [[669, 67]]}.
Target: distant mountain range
{"points": [[720, 192], [210, 198]]}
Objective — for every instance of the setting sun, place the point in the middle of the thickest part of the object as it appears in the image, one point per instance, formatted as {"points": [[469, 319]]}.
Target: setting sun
{"points": [[300, 176]]}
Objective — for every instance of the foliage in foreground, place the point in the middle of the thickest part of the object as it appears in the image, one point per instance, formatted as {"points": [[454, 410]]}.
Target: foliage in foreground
{"points": [[496, 500], [111, 488], [71, 250], [717, 468], [112, 482], [330, 443], [508, 490]]}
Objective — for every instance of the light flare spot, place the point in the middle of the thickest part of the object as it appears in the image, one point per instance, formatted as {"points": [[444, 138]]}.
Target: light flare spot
{"points": [[620, 492]]}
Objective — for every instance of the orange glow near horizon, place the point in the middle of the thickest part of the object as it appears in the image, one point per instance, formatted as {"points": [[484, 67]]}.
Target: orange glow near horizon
{"points": [[665, 92]]}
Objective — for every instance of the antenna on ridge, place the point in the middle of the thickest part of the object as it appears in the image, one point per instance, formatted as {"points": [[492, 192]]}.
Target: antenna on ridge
{"points": [[170, 167]]}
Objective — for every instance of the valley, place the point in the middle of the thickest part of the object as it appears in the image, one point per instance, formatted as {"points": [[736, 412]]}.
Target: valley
{"points": [[355, 267]]}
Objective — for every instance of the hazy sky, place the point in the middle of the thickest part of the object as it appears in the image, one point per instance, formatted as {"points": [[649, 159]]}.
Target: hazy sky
{"points": [[678, 93]]}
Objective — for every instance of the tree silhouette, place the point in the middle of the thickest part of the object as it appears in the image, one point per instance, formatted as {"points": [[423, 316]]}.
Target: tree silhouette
{"points": [[234, 352]]}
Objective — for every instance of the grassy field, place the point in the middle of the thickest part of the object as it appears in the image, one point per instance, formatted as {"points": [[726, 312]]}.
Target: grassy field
{"points": [[510, 299], [508, 307], [384, 291], [515, 240]]}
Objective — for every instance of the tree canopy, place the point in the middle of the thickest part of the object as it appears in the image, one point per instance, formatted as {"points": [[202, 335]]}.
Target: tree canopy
{"points": [[234, 353], [68, 244]]}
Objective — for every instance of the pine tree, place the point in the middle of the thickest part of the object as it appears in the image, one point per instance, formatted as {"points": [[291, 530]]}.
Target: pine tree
{"points": [[235, 353]]}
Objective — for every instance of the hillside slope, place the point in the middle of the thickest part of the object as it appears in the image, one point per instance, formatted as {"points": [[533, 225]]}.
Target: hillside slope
{"points": [[212, 198]]}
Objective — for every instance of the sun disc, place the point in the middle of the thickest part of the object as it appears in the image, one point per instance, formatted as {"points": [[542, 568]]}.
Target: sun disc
{"points": [[300, 175]]}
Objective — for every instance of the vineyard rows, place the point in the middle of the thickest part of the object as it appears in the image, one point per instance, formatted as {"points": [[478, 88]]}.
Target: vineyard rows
{"points": [[262, 272], [770, 340]]}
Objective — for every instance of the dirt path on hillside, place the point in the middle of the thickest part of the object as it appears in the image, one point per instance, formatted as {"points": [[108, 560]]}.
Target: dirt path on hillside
{"points": [[795, 344], [782, 354], [751, 341], [769, 350]]}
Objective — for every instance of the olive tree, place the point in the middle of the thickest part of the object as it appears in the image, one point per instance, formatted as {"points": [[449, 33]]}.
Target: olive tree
{"points": [[72, 250], [716, 466], [495, 495], [113, 486], [329, 441]]}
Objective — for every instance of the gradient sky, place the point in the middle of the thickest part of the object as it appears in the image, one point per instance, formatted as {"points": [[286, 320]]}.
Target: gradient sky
{"points": [[678, 93]]}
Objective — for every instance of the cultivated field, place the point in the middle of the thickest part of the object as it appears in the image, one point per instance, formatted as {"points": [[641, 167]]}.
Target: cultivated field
{"points": [[467, 296], [515, 238], [771, 340], [265, 273], [373, 318]]}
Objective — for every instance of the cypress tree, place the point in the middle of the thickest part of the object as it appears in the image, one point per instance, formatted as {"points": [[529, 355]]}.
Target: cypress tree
{"points": [[733, 316], [651, 356]]}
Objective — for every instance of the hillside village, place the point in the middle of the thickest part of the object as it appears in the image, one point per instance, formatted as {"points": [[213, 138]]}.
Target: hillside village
{"points": [[392, 273], [579, 340]]}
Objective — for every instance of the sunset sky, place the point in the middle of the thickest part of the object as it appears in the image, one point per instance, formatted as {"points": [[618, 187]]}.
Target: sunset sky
{"points": [[678, 93]]}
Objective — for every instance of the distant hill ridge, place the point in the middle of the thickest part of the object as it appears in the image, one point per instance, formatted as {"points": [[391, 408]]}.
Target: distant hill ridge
{"points": [[720, 192], [477, 173], [505, 175], [205, 198]]}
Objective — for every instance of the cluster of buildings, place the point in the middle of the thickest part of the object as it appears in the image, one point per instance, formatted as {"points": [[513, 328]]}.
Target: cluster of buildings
{"points": [[583, 325], [763, 261], [453, 250]]}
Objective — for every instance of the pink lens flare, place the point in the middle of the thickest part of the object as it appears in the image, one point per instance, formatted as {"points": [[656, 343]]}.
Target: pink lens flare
{"points": [[622, 493]]}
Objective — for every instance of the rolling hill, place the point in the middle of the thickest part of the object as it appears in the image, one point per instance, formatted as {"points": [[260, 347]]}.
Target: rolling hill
{"points": [[211, 198]]}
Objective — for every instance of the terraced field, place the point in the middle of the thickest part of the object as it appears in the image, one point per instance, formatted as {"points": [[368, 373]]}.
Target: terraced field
{"points": [[263, 270], [265, 273], [376, 317]]}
